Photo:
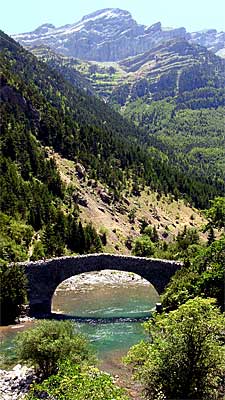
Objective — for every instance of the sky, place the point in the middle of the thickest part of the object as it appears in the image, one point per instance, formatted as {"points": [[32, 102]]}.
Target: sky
{"points": [[17, 16]]}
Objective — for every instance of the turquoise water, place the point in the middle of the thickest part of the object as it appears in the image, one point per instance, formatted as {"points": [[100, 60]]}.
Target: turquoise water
{"points": [[108, 316], [111, 314]]}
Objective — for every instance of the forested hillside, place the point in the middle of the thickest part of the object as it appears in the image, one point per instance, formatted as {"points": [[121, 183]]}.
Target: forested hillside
{"points": [[193, 139], [174, 92], [41, 110]]}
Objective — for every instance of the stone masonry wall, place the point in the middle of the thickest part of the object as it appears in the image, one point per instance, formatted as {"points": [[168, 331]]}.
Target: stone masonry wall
{"points": [[44, 276]]}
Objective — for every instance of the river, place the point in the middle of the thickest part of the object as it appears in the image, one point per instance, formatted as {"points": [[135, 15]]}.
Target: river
{"points": [[107, 307]]}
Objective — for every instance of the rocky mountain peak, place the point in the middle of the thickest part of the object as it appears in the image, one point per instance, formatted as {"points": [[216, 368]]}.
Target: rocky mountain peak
{"points": [[107, 13], [111, 34], [153, 28], [44, 28]]}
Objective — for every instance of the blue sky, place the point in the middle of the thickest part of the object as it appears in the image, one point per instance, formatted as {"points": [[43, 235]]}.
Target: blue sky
{"points": [[25, 15]]}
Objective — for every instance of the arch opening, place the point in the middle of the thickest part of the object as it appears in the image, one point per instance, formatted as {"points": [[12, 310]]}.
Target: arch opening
{"points": [[105, 295]]}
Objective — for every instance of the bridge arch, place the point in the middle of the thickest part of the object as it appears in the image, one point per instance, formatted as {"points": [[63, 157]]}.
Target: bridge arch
{"points": [[45, 276]]}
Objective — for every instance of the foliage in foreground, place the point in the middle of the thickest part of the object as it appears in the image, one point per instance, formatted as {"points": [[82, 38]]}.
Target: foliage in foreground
{"points": [[13, 293], [51, 342], [185, 357], [74, 382]]}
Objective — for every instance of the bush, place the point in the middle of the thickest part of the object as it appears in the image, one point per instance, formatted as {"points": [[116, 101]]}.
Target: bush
{"points": [[74, 382], [143, 247], [51, 342], [204, 277], [185, 358]]}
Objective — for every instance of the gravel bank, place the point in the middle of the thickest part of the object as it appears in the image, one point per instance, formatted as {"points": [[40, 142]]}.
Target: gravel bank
{"points": [[90, 280], [14, 384]]}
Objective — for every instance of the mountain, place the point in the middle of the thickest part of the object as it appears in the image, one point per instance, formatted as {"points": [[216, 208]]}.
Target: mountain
{"points": [[111, 35], [46, 125], [158, 72], [175, 93], [170, 69]]}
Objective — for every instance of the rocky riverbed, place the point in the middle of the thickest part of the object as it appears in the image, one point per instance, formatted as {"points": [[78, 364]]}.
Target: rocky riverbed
{"points": [[14, 384], [89, 281]]}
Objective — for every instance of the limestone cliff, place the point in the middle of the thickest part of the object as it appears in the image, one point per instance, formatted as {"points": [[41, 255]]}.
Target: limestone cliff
{"points": [[112, 34]]}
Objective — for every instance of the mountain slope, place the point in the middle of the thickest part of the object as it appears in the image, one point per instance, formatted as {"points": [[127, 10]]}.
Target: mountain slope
{"points": [[41, 114], [87, 130], [79, 126], [170, 69], [111, 35], [154, 89]]}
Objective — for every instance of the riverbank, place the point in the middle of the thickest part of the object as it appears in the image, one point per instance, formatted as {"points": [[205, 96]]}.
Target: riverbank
{"points": [[14, 384]]}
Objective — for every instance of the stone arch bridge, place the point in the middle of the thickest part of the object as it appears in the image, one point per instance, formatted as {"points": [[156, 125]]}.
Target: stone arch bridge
{"points": [[45, 276]]}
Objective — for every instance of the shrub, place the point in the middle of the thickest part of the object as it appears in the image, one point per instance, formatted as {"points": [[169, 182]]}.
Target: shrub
{"points": [[143, 247], [50, 342], [185, 358], [75, 382]]}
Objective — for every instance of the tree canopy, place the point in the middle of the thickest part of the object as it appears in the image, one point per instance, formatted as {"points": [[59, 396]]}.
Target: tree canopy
{"points": [[50, 342], [185, 355]]}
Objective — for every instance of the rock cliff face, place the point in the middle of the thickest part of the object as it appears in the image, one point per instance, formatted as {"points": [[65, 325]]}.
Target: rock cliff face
{"points": [[213, 40], [112, 34], [106, 35]]}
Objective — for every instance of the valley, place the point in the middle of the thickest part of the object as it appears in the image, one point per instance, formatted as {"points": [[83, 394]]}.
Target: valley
{"points": [[112, 145]]}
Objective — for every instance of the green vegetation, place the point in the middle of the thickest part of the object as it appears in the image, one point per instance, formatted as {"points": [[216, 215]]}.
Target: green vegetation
{"points": [[185, 356], [15, 237], [202, 276], [49, 343], [13, 293], [192, 139], [40, 109], [186, 244], [143, 247], [203, 271], [64, 360], [74, 382], [216, 214]]}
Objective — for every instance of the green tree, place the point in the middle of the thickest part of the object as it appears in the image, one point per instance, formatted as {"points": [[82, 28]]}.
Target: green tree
{"points": [[186, 238], [152, 233], [93, 242], [216, 213], [51, 342], [203, 276], [13, 293], [211, 236], [143, 247], [185, 357]]}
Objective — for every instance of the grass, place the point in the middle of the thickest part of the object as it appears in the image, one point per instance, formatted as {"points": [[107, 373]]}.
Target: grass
{"points": [[164, 213]]}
